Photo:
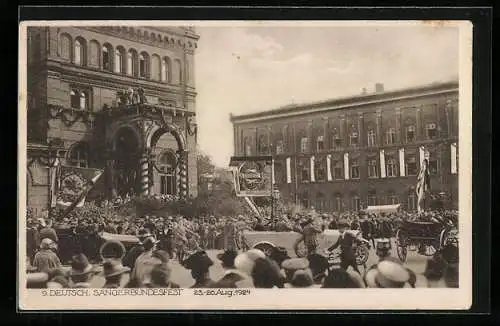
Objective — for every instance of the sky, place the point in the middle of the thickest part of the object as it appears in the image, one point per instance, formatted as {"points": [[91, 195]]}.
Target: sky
{"points": [[246, 69]]}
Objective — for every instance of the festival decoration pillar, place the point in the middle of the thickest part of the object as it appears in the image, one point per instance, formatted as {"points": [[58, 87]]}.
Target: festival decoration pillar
{"points": [[182, 163], [144, 173]]}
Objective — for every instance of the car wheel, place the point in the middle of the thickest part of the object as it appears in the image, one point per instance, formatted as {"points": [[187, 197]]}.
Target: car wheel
{"points": [[265, 248]]}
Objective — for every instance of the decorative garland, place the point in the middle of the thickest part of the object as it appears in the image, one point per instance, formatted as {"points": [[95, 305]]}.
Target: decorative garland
{"points": [[68, 116]]}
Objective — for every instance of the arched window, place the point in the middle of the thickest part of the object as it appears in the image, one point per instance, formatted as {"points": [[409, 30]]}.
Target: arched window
{"points": [[120, 60], [371, 138], [79, 155], [107, 57], [166, 67], [79, 99], [65, 46], [167, 163], [143, 65], [390, 136], [94, 57], [132, 63], [155, 67], [372, 198], [355, 203], [78, 52], [391, 167]]}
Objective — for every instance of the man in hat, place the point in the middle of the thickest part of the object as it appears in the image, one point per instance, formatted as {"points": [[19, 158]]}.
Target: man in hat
{"points": [[232, 277], [113, 272], [199, 263], [145, 262], [310, 232], [137, 250], [46, 259], [48, 231], [81, 272], [318, 264], [389, 273], [346, 243]]}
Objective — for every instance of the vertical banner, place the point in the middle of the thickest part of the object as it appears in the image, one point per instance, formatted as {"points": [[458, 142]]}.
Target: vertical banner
{"points": [[329, 167], [288, 170], [453, 157], [382, 164], [54, 183], [421, 152], [311, 162], [253, 175], [402, 170], [74, 184], [346, 166], [272, 172]]}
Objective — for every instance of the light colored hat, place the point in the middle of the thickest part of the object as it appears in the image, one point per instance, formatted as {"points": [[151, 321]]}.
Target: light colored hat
{"points": [[245, 262], [46, 243], [302, 278], [294, 264], [387, 274]]}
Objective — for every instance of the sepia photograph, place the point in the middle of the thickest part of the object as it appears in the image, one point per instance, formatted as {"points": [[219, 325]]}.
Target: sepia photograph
{"points": [[245, 165]]}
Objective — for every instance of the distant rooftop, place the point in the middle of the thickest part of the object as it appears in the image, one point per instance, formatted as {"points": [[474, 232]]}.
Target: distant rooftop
{"points": [[378, 95]]}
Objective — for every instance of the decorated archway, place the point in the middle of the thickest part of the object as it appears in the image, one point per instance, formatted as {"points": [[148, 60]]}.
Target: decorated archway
{"points": [[126, 153]]}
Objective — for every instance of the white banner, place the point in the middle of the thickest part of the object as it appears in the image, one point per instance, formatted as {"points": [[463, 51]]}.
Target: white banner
{"points": [[421, 152], [288, 170], [311, 161], [346, 166], [382, 163], [54, 169], [453, 157], [329, 167], [402, 170], [272, 172]]}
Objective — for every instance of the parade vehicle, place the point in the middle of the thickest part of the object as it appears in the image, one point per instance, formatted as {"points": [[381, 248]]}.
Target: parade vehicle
{"points": [[425, 237], [267, 240]]}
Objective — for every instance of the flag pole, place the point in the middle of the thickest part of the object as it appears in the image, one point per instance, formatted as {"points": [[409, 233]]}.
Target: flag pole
{"points": [[81, 196]]}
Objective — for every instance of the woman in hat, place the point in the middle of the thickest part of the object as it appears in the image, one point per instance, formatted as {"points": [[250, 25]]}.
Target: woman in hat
{"points": [[232, 277], [199, 263], [81, 272], [113, 272], [46, 259]]}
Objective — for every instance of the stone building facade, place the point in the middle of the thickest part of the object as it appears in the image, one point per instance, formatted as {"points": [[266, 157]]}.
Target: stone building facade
{"points": [[116, 98], [345, 154]]}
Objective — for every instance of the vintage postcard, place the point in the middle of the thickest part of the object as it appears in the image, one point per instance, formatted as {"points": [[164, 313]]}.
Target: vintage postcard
{"points": [[184, 165]]}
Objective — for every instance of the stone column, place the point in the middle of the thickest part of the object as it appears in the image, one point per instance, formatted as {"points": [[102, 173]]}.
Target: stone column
{"points": [[361, 135], [419, 124], [144, 173], [183, 180], [379, 128], [152, 161], [399, 131]]}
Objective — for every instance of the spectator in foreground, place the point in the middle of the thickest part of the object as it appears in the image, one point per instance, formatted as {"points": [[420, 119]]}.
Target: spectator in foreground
{"points": [[81, 272], [46, 259], [113, 272], [145, 263], [266, 274], [199, 263], [232, 277], [161, 277], [339, 278], [318, 265]]}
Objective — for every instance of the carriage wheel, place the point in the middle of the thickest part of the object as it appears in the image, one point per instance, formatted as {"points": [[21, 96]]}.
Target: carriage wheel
{"points": [[362, 254], [401, 246]]}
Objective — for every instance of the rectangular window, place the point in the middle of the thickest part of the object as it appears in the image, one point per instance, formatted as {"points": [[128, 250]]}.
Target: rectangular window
{"points": [[320, 143], [320, 170], [338, 171], [356, 204], [372, 169], [336, 141], [433, 166], [354, 169], [410, 134], [412, 202], [304, 144], [305, 203], [106, 62], [353, 139], [163, 185], [372, 200], [411, 166], [279, 147], [390, 137], [371, 138], [338, 204], [248, 150], [431, 129], [393, 200], [391, 168]]}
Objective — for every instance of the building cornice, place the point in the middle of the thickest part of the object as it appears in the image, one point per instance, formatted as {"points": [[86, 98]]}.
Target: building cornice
{"points": [[349, 102], [175, 40], [99, 78]]}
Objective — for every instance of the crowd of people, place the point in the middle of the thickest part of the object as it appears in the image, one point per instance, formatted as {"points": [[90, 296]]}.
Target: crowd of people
{"points": [[165, 239]]}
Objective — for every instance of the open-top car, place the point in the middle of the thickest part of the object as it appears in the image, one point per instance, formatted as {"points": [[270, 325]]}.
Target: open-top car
{"points": [[267, 240]]}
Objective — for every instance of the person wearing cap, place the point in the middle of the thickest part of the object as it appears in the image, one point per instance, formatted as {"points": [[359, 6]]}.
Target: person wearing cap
{"points": [[389, 273], [46, 259], [232, 277], [145, 262], [199, 263], [81, 272], [310, 232], [132, 255], [161, 277], [113, 272], [318, 264], [290, 266], [266, 274], [346, 243], [301, 278]]}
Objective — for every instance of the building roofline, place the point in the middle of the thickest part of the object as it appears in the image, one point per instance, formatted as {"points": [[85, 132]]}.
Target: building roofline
{"points": [[350, 101]]}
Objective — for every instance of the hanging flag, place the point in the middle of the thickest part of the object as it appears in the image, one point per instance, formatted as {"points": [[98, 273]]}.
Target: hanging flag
{"points": [[252, 206], [272, 172], [346, 166], [402, 170], [421, 152], [382, 164], [329, 167], [288, 170], [74, 185], [423, 185], [54, 172], [311, 161], [453, 157], [253, 175]]}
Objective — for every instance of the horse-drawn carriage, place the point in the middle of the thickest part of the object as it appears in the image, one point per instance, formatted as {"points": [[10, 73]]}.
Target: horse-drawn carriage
{"points": [[425, 237], [266, 241]]}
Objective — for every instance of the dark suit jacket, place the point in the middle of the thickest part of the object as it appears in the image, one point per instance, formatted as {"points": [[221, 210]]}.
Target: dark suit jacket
{"points": [[346, 243], [131, 256]]}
